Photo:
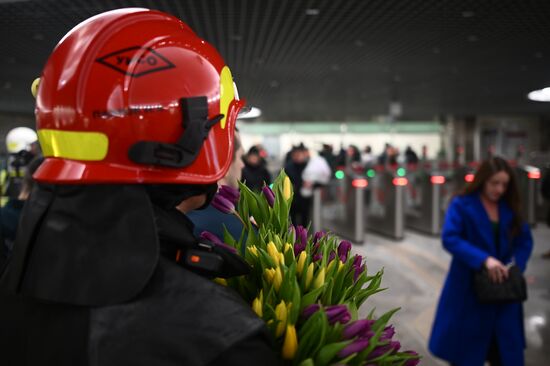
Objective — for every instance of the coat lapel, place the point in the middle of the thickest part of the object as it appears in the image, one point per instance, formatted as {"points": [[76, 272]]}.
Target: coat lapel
{"points": [[483, 223], [505, 215]]}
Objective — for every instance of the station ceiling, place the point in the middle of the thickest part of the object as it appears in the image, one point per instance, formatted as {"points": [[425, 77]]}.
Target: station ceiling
{"points": [[329, 60]]}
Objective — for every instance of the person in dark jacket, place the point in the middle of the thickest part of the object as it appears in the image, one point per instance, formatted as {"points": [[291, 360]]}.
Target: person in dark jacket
{"points": [[255, 174], [483, 229], [11, 212], [107, 270], [301, 205]]}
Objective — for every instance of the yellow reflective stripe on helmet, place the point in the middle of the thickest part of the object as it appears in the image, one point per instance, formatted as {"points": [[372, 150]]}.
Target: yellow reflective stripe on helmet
{"points": [[75, 145], [227, 93]]}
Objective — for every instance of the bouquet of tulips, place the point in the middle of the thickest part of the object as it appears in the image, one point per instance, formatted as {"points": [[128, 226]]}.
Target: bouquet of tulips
{"points": [[307, 288]]}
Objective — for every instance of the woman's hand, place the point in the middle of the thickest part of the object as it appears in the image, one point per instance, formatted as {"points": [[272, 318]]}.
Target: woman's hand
{"points": [[498, 272]]}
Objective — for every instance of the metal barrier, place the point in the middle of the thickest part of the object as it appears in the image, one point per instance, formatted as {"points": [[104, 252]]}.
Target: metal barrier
{"points": [[528, 183], [425, 200], [339, 207], [385, 206]]}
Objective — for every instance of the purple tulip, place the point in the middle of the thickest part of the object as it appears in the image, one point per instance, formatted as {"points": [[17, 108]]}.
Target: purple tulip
{"points": [[358, 267], [301, 234], [301, 240], [343, 250], [331, 256], [338, 313], [387, 333], [230, 193], [310, 310], [359, 328], [354, 347], [298, 248], [216, 241], [358, 271], [317, 257], [412, 362], [269, 196], [318, 235], [223, 204], [381, 350]]}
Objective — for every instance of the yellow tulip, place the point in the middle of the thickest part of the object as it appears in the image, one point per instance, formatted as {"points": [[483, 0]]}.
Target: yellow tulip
{"points": [[277, 278], [269, 274], [330, 265], [320, 279], [280, 315], [220, 281], [340, 265], [281, 259], [301, 262], [257, 307], [287, 188], [257, 304], [287, 247], [252, 249], [309, 275], [290, 344], [273, 252]]}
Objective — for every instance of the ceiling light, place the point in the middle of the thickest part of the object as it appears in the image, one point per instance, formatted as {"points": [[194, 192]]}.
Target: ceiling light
{"points": [[250, 113], [312, 11], [541, 95]]}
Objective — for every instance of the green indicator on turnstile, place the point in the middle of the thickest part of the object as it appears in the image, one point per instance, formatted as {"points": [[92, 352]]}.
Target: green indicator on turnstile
{"points": [[371, 173], [339, 174], [401, 172]]}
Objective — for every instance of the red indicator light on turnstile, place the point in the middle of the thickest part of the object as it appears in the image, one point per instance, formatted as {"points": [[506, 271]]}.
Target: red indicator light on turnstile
{"points": [[469, 178], [359, 183], [534, 175], [400, 181], [437, 179]]}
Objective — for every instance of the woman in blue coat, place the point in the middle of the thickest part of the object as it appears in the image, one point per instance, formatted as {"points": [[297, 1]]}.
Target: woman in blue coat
{"points": [[483, 228]]}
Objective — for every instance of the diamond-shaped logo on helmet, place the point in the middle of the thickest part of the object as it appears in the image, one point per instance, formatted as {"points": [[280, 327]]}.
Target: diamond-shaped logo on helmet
{"points": [[136, 61]]}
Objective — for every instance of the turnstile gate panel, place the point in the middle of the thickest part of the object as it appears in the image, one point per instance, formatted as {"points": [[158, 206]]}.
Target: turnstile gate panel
{"points": [[338, 207], [385, 207]]}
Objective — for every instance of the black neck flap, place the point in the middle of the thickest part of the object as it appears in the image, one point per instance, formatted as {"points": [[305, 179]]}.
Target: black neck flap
{"points": [[87, 245], [196, 127]]}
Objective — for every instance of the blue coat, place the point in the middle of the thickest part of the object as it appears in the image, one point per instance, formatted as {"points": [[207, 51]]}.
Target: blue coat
{"points": [[463, 327]]}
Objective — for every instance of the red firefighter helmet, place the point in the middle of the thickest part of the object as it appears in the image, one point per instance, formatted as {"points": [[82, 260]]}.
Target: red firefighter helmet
{"points": [[135, 96]]}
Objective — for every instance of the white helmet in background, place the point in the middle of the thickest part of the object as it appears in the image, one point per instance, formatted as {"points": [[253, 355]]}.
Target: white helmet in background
{"points": [[19, 139]]}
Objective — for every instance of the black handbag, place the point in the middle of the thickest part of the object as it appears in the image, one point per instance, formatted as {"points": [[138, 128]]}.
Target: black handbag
{"points": [[513, 289]]}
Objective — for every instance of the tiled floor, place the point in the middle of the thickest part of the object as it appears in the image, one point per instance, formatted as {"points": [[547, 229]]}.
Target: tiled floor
{"points": [[414, 270]]}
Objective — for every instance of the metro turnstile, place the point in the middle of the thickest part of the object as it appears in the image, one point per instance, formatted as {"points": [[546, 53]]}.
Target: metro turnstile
{"points": [[425, 201], [385, 208], [338, 207], [528, 184]]}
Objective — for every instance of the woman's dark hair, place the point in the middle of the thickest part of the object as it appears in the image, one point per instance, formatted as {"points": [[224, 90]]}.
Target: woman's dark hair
{"points": [[486, 170]]}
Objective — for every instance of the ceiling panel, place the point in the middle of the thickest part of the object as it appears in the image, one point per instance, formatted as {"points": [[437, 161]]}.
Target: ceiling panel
{"points": [[312, 60]]}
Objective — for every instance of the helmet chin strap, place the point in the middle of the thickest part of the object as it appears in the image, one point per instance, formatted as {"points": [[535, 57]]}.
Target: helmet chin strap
{"points": [[181, 154]]}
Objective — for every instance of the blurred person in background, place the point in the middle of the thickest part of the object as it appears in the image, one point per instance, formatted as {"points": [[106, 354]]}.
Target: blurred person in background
{"points": [[11, 211], [255, 174], [328, 154], [213, 220], [301, 205], [410, 156], [22, 147], [483, 229], [367, 157], [545, 192]]}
